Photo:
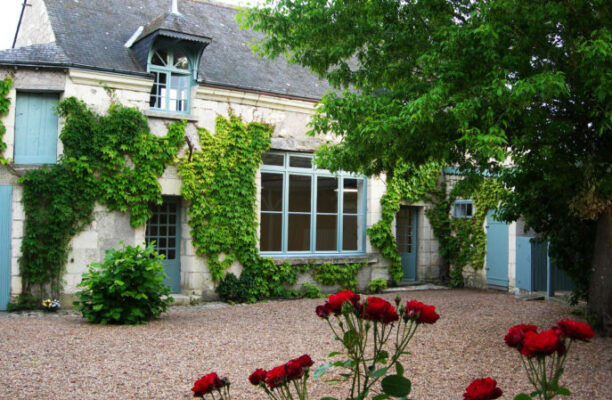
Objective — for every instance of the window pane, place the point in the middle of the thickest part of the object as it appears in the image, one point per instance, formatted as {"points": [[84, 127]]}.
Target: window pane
{"points": [[300, 162], [160, 57], [327, 195], [299, 193], [352, 195], [299, 232], [271, 231], [350, 233], [180, 60], [327, 228], [273, 159], [271, 192]]}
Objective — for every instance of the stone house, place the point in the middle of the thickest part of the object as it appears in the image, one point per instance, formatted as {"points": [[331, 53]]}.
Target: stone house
{"points": [[190, 61]]}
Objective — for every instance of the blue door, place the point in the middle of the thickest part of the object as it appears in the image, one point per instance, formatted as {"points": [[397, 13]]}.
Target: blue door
{"points": [[406, 237], [5, 245], [164, 228], [497, 252], [523, 263]]}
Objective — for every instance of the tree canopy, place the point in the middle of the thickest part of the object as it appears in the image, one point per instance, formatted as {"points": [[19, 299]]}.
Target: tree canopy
{"points": [[514, 87]]}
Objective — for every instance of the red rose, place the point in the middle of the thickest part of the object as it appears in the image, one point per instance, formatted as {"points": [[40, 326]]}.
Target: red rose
{"points": [[379, 310], [258, 376], [482, 389], [293, 370], [276, 376], [575, 330], [540, 344], [335, 301], [206, 384], [305, 361], [516, 334], [323, 311], [421, 313]]}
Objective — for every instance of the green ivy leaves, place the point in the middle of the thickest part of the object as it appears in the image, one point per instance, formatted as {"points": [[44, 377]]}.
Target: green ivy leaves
{"points": [[219, 181], [5, 102], [113, 159]]}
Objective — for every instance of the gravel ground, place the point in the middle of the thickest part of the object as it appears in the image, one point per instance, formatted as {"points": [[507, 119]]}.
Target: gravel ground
{"points": [[62, 357]]}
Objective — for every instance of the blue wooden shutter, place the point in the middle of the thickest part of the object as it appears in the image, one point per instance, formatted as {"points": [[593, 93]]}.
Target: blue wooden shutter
{"points": [[5, 245], [36, 128]]}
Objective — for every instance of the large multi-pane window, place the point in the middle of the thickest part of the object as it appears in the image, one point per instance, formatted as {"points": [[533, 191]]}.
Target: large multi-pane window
{"points": [[309, 210], [173, 70]]}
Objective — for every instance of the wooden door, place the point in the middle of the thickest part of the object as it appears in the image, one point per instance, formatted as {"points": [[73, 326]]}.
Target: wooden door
{"points": [[164, 229]]}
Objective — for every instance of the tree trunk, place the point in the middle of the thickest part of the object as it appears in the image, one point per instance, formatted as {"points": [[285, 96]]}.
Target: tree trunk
{"points": [[600, 288]]}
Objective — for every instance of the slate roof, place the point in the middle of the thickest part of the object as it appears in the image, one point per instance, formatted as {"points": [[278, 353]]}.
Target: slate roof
{"points": [[91, 34]]}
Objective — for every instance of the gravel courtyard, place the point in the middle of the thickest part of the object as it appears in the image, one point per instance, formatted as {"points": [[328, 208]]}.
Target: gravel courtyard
{"points": [[63, 357]]}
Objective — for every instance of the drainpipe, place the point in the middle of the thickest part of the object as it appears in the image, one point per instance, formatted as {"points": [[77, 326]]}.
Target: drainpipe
{"points": [[175, 9], [25, 4]]}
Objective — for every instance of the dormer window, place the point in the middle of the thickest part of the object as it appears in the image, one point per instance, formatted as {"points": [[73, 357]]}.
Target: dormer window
{"points": [[173, 69]]}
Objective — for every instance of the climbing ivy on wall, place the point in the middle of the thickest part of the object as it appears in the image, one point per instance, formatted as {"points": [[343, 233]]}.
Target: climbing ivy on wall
{"points": [[5, 102], [113, 159], [408, 184], [219, 181], [463, 241], [343, 275]]}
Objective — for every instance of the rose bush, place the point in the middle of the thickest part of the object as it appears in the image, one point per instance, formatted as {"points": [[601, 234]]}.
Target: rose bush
{"points": [[543, 354], [374, 335], [280, 382], [210, 383]]}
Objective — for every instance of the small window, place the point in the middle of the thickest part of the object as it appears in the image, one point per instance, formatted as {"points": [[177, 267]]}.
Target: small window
{"points": [[463, 209], [36, 126], [308, 210], [173, 71]]}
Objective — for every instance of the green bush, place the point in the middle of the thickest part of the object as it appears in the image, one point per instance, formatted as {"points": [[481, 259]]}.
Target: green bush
{"points": [[377, 285], [128, 288], [235, 290], [311, 291]]}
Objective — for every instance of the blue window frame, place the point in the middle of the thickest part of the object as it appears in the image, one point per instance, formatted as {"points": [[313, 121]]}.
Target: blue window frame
{"points": [[463, 209], [173, 69], [307, 210]]}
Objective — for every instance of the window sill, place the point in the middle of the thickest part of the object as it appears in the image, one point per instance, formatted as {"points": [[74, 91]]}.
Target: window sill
{"points": [[169, 115], [327, 259]]}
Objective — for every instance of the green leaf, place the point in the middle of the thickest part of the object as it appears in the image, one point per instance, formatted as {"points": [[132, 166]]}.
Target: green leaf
{"points": [[522, 396], [396, 385], [377, 373], [399, 368], [333, 354], [563, 391], [380, 397], [321, 369]]}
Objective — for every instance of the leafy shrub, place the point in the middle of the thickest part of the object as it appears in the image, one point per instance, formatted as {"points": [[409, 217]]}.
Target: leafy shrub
{"points": [[311, 291], [24, 302], [237, 290], [128, 288], [377, 285]]}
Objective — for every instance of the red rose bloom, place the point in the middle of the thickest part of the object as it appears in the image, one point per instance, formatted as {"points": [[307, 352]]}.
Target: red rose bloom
{"points": [[516, 334], [575, 330], [276, 376], [323, 311], [421, 313], [305, 361], [293, 370], [206, 384], [482, 389], [379, 310], [540, 344], [258, 376], [335, 301]]}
